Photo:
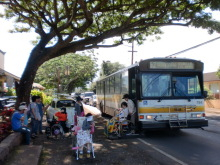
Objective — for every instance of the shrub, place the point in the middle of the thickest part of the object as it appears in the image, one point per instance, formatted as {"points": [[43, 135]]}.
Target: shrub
{"points": [[45, 99]]}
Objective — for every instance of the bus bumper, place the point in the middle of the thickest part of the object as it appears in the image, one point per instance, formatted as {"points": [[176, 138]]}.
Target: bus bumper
{"points": [[151, 125]]}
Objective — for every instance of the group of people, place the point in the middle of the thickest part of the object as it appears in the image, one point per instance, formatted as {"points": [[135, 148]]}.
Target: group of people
{"points": [[35, 111], [127, 110]]}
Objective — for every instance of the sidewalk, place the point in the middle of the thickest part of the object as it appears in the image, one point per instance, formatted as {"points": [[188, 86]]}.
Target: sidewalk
{"points": [[25, 155], [212, 110], [107, 152]]}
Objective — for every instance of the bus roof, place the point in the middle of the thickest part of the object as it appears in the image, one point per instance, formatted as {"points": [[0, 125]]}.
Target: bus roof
{"points": [[143, 66]]}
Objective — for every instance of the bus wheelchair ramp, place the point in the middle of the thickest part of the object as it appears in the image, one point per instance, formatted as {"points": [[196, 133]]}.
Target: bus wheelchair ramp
{"points": [[178, 123], [175, 121]]}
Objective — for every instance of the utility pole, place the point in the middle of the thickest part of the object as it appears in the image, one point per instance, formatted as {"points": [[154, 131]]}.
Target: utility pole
{"points": [[132, 52]]}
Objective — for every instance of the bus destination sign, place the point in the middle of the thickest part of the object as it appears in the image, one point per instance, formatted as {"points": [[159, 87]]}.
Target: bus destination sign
{"points": [[171, 65]]}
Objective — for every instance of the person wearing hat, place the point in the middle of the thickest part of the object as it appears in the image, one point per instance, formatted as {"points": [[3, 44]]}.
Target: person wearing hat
{"points": [[131, 107], [79, 106], [16, 122]]}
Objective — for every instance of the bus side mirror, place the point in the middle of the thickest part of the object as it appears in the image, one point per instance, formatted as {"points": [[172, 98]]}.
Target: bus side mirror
{"points": [[205, 94]]}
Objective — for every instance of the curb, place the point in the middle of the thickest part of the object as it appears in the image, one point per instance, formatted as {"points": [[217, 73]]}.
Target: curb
{"points": [[26, 154], [8, 144]]}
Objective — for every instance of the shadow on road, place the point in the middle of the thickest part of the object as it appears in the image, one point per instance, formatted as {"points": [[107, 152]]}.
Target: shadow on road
{"points": [[121, 151]]}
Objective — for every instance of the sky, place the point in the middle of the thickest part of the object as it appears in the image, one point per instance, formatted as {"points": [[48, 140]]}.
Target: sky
{"points": [[175, 38]]}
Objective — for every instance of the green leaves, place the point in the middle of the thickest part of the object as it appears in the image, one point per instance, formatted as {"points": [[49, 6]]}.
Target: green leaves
{"points": [[69, 71], [71, 19], [108, 68]]}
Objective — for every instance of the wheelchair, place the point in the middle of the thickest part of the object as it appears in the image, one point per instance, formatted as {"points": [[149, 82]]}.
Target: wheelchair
{"points": [[78, 137], [54, 130], [116, 128]]}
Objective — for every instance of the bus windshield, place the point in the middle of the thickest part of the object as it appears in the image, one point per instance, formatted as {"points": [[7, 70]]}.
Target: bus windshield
{"points": [[186, 86], [156, 85], [164, 85]]}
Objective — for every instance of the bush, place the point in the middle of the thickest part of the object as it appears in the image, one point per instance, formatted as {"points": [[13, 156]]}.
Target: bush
{"points": [[45, 99], [10, 92]]}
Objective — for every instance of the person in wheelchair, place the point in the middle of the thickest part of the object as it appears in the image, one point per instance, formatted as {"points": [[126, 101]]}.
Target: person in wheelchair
{"points": [[61, 117], [84, 137], [123, 112], [119, 125]]}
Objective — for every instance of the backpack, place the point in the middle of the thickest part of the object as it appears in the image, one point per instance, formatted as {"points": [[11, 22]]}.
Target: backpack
{"points": [[86, 125]]}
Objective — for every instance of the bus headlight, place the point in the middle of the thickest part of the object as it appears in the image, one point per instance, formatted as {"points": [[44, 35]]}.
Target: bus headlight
{"points": [[149, 117], [198, 115]]}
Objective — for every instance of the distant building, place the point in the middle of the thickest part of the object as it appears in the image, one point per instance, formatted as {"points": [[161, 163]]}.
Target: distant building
{"points": [[8, 79], [212, 82], [5, 77], [2, 59]]}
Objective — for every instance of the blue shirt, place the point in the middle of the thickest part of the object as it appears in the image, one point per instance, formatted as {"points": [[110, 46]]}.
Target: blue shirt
{"points": [[40, 108], [16, 120]]}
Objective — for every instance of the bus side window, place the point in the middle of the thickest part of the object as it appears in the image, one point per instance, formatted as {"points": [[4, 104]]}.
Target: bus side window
{"points": [[124, 82], [133, 88], [118, 83]]}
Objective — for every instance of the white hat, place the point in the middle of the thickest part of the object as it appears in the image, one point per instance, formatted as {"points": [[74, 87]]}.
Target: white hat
{"points": [[22, 107]]}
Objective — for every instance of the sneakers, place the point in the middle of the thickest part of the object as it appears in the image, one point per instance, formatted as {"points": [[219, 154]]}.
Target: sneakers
{"points": [[88, 155], [80, 155]]}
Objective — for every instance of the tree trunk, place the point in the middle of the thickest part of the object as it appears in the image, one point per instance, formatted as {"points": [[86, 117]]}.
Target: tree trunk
{"points": [[23, 88]]}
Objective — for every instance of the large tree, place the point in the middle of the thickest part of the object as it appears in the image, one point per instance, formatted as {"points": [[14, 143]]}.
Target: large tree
{"points": [[108, 68], [67, 26], [67, 72]]}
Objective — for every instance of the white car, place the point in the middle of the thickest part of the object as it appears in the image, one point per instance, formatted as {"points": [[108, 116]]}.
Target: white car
{"points": [[57, 104], [93, 100], [87, 97]]}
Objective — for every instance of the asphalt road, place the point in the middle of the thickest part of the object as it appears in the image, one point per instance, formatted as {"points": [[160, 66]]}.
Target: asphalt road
{"points": [[189, 146]]}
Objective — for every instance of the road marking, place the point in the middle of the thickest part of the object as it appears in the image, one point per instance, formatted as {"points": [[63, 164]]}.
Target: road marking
{"points": [[162, 152]]}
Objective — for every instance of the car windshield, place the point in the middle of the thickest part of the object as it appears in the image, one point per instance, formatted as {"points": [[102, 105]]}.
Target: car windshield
{"points": [[65, 103], [88, 94], [162, 85]]}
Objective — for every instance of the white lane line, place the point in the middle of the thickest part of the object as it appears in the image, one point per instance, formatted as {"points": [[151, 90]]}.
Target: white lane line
{"points": [[162, 152]]}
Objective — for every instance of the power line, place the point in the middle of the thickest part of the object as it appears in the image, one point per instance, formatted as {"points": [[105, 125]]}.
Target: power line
{"points": [[193, 47]]}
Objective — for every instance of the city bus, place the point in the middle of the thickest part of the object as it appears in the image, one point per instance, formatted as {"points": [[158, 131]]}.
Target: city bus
{"points": [[167, 92]]}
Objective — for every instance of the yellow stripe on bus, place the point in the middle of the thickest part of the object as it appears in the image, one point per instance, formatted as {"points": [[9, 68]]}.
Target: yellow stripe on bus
{"points": [[166, 110]]}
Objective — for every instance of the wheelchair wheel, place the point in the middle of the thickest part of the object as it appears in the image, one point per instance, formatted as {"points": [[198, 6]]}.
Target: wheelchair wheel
{"points": [[126, 128], [74, 141], [57, 131]]}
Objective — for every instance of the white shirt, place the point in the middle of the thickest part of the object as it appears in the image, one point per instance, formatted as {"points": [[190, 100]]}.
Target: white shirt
{"points": [[131, 107], [123, 114]]}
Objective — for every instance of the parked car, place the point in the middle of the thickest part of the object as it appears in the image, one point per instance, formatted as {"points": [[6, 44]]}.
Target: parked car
{"points": [[7, 102], [93, 100], [87, 97], [82, 95], [74, 95], [57, 104], [3, 102]]}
